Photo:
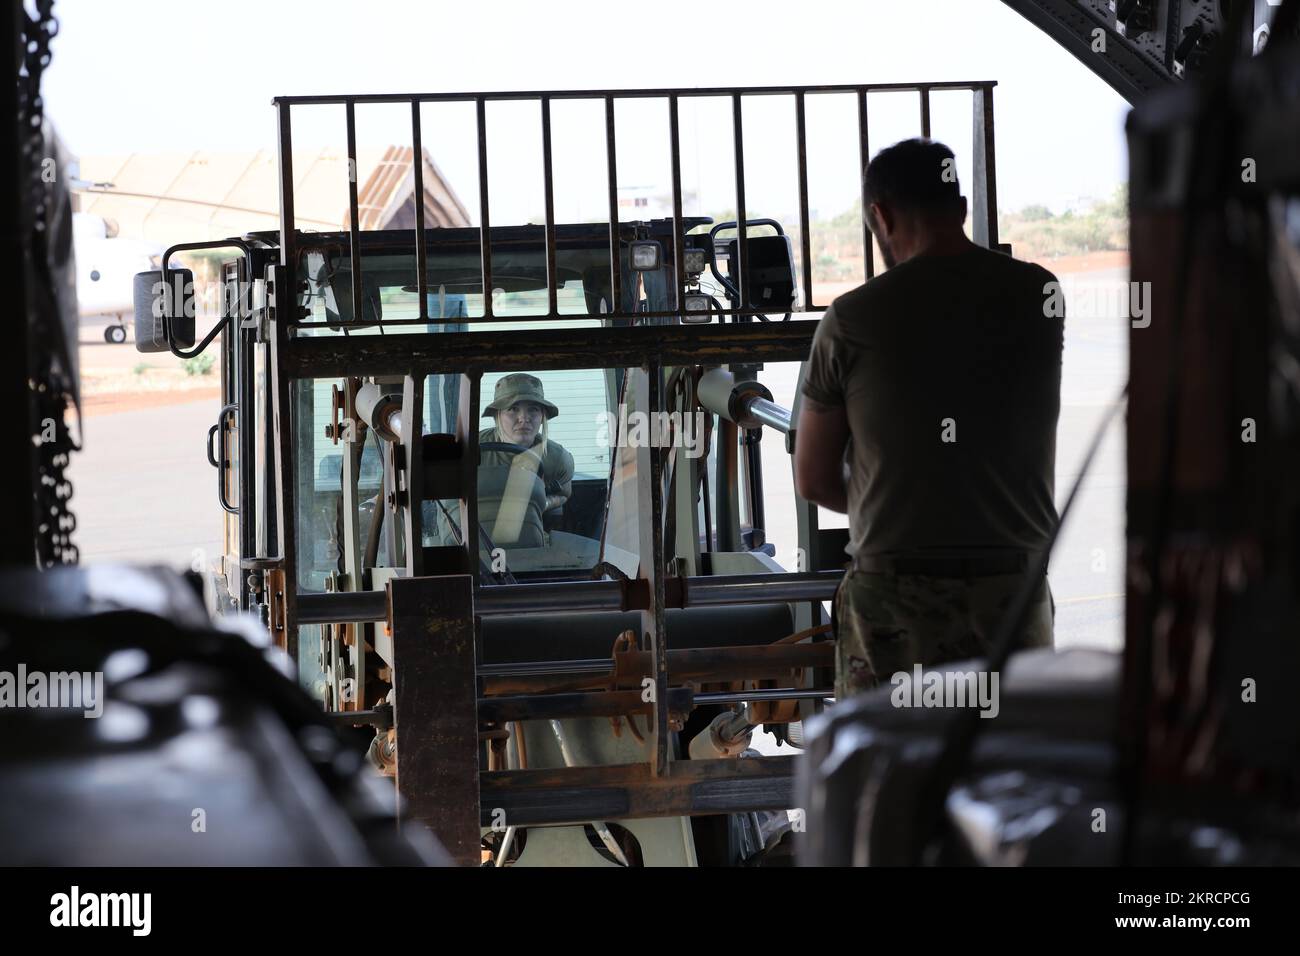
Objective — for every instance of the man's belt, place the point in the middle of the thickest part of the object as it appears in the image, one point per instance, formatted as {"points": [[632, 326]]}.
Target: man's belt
{"points": [[944, 566]]}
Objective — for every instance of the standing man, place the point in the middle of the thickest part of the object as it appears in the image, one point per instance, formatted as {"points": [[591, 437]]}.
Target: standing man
{"points": [[929, 413]]}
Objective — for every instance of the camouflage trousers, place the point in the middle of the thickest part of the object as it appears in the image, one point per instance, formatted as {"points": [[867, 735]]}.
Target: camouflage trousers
{"points": [[885, 623]]}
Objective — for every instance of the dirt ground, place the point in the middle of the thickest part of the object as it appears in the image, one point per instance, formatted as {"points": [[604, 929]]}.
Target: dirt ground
{"points": [[117, 378], [1090, 262], [105, 403]]}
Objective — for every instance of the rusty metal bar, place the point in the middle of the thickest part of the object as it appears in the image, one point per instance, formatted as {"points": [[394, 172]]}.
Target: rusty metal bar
{"points": [[524, 349], [742, 232], [354, 216], [591, 596], [679, 241], [550, 317], [490, 601], [631, 94], [681, 701], [435, 709], [864, 157], [626, 791], [805, 238], [591, 665], [748, 661], [700, 665], [598, 704], [505, 599], [611, 160], [548, 187], [485, 238], [421, 252], [781, 693]]}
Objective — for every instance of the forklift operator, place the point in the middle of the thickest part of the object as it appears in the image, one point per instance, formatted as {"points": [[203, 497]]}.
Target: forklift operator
{"points": [[522, 475]]}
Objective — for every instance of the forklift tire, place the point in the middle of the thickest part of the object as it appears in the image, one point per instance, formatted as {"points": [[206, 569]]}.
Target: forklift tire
{"points": [[115, 334]]}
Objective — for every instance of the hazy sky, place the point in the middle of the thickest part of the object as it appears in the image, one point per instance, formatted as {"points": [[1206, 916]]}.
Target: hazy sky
{"points": [[138, 76]]}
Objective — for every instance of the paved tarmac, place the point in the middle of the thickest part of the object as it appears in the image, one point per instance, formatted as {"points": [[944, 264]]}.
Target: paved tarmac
{"points": [[143, 491]]}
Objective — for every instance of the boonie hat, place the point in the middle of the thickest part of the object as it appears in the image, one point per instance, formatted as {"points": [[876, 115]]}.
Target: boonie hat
{"points": [[519, 387]]}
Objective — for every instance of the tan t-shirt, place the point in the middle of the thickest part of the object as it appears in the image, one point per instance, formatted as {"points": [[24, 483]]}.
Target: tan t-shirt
{"points": [[949, 368]]}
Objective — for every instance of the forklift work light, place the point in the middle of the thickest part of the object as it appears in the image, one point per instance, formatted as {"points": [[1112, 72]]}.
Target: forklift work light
{"points": [[646, 255], [697, 310]]}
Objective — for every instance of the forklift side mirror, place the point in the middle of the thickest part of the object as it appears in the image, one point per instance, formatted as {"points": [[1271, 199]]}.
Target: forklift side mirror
{"points": [[770, 264], [153, 299]]}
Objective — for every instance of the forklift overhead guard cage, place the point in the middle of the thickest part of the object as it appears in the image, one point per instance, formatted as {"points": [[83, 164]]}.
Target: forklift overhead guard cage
{"points": [[471, 352]]}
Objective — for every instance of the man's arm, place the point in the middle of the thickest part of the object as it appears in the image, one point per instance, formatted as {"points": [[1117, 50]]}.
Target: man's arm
{"points": [[819, 445]]}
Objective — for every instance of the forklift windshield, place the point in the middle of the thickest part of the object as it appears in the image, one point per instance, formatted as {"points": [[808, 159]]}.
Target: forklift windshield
{"points": [[542, 508]]}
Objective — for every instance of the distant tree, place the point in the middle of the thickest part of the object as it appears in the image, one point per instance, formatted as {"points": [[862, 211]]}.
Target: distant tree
{"points": [[850, 217], [1116, 207]]}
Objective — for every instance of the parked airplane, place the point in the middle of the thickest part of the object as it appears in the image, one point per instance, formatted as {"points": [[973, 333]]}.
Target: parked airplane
{"points": [[106, 266]]}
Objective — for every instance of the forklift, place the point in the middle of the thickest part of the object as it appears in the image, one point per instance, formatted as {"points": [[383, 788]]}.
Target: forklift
{"points": [[593, 700]]}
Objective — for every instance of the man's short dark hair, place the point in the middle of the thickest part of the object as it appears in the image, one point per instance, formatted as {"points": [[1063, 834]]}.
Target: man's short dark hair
{"points": [[915, 175]]}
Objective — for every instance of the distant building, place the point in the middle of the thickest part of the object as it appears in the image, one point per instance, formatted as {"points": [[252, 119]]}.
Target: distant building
{"points": [[386, 200], [178, 197], [641, 203]]}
